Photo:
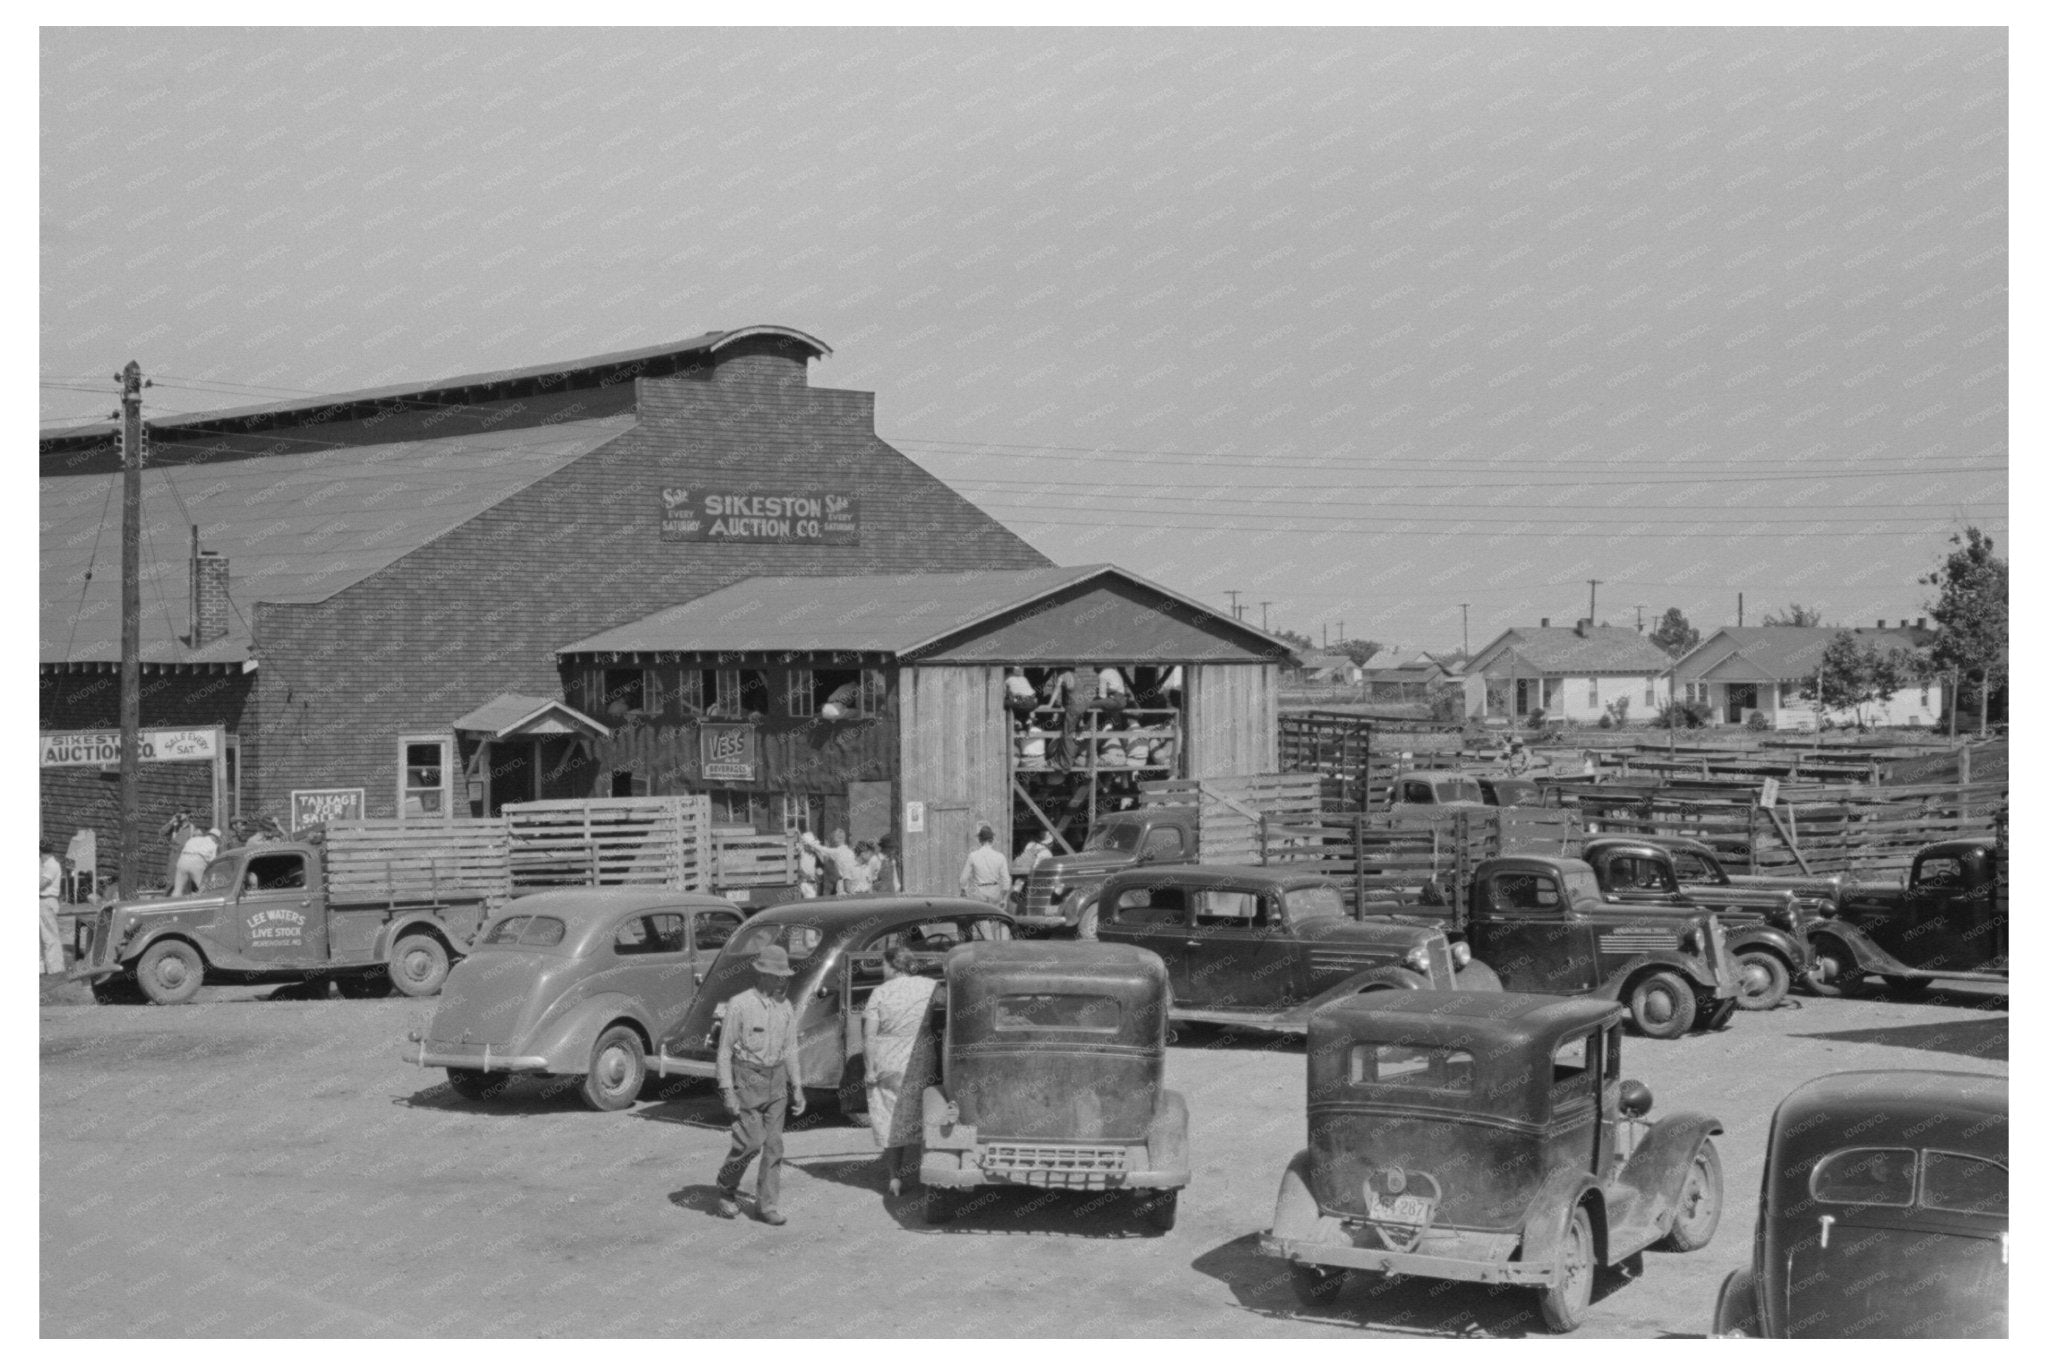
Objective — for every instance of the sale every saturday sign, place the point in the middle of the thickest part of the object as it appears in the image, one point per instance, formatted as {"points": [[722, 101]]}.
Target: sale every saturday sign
{"points": [[102, 748]]}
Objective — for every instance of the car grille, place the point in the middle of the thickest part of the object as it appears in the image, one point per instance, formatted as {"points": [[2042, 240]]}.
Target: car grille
{"points": [[1038, 894], [1442, 975], [99, 949], [1717, 939], [1064, 1166]]}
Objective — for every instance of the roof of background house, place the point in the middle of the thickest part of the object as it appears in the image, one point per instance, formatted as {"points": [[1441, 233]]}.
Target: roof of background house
{"points": [[899, 614], [1562, 649], [294, 528], [1789, 652], [1312, 660]]}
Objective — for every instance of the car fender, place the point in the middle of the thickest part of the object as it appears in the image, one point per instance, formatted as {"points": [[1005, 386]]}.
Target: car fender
{"points": [[1658, 1166], [1791, 947], [1617, 981], [1735, 1307], [1296, 1218], [566, 1039], [1550, 1214], [209, 951], [1391, 976], [1867, 954], [1166, 1140], [406, 923]]}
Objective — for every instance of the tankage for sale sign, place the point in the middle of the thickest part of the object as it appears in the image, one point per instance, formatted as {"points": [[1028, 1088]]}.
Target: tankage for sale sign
{"points": [[777, 516]]}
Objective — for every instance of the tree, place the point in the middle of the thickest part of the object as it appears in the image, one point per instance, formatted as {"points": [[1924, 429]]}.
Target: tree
{"points": [[1358, 651], [1794, 615], [1293, 637], [1674, 634], [1854, 675], [1971, 610]]}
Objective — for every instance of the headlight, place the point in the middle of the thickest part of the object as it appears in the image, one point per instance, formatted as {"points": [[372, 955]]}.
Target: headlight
{"points": [[1690, 941], [1418, 958], [1461, 954]]}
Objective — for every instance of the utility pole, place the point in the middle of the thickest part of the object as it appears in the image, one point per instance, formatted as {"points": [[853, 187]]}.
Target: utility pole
{"points": [[1465, 610], [1639, 618], [131, 624], [1738, 611], [1232, 594], [1593, 601], [1262, 617]]}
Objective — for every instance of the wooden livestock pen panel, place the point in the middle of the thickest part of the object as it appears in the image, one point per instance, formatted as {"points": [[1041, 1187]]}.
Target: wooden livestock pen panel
{"points": [[1232, 809], [612, 841], [741, 858], [955, 765], [405, 860], [1233, 719]]}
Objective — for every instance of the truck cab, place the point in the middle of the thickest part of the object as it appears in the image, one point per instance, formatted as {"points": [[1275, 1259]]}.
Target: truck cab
{"points": [[1060, 888], [1948, 920], [1434, 789]]}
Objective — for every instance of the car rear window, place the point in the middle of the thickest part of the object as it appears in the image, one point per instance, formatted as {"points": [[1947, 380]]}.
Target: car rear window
{"points": [[1865, 1175], [1962, 1184], [1075, 1013], [1412, 1068], [798, 940], [527, 931]]}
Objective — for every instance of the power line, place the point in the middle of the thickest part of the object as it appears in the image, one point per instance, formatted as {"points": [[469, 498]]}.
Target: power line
{"points": [[1458, 517], [1255, 502], [1544, 533]]}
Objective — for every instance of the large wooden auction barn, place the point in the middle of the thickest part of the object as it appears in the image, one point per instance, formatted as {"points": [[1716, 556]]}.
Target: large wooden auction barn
{"points": [[431, 600]]}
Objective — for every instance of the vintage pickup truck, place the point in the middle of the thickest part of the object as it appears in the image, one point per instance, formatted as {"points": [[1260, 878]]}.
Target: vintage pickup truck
{"points": [[1948, 920], [268, 913], [1261, 948], [1543, 924], [1766, 927], [1060, 888]]}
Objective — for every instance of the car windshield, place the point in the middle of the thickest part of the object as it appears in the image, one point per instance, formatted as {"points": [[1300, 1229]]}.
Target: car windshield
{"points": [[1070, 1013], [1306, 903], [798, 940], [527, 931], [1457, 789], [1581, 885], [1412, 1068], [1119, 836]]}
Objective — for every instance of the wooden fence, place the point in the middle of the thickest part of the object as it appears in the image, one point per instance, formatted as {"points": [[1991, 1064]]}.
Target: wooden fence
{"points": [[1231, 809], [1401, 857], [741, 858], [386, 860], [615, 841]]}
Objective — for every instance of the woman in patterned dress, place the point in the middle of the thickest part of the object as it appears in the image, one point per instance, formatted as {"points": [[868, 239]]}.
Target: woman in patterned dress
{"points": [[899, 1061]]}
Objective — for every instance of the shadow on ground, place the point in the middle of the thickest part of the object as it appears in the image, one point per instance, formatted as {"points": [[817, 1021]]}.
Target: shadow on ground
{"points": [[1384, 1303], [1985, 1039]]}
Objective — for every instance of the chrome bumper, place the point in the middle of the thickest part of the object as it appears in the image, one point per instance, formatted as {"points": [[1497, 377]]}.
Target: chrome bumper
{"points": [[1405, 1262], [423, 1053], [704, 1069]]}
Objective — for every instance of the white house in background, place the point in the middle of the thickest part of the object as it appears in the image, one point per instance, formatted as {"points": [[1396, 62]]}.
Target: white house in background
{"points": [[1578, 673], [1741, 669]]}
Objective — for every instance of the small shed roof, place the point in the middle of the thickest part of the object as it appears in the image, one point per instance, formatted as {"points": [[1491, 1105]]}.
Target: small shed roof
{"points": [[511, 714], [1568, 650], [1087, 613]]}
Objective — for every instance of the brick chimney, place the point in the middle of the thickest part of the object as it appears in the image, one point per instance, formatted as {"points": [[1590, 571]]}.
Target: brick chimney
{"points": [[1545, 623], [209, 596], [1880, 623], [1585, 624], [1920, 624]]}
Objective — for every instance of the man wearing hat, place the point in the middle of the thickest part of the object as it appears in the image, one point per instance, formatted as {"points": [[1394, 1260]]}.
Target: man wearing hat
{"points": [[759, 1080]]}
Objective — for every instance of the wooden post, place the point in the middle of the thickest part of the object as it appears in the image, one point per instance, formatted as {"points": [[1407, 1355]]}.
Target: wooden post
{"points": [[1358, 862]]}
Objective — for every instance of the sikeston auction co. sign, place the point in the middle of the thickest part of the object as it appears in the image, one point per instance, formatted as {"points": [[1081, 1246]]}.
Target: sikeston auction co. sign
{"points": [[801, 516], [102, 748]]}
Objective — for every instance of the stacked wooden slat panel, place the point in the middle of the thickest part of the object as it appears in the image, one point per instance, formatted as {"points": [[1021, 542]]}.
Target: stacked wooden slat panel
{"points": [[405, 860], [1231, 808], [1374, 863], [744, 858], [610, 841]]}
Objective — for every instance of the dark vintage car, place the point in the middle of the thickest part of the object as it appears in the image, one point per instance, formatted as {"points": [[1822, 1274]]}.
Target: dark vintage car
{"points": [[1488, 1138], [1766, 927], [573, 983], [1262, 947], [1061, 888], [1053, 1075], [1543, 924], [836, 946], [1883, 1212], [1948, 920], [1510, 791], [1432, 789]]}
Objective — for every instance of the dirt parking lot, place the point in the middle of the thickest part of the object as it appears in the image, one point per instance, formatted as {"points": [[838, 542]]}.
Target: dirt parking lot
{"points": [[255, 1165]]}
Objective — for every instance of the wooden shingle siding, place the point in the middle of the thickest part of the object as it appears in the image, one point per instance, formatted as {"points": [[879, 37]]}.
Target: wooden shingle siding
{"points": [[1233, 719], [956, 760]]}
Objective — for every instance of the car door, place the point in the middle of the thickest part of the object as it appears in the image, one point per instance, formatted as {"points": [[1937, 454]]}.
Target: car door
{"points": [[1946, 922], [651, 961], [1154, 918], [1530, 936], [1902, 1244], [710, 931], [1237, 953], [278, 918]]}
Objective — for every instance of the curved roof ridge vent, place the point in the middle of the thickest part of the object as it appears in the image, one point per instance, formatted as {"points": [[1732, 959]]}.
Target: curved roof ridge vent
{"points": [[769, 329]]}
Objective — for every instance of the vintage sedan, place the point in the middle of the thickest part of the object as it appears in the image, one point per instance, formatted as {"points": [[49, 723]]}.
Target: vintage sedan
{"points": [[1883, 1212], [573, 983], [1053, 1075], [1485, 1137], [836, 946]]}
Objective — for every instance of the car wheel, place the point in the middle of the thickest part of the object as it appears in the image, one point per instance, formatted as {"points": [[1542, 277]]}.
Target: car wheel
{"points": [[419, 964], [1662, 1005], [1566, 1299], [1477, 976], [1158, 1211], [117, 990], [939, 1206], [1835, 974], [617, 1067], [170, 973], [369, 986], [476, 1085], [1315, 1285], [1907, 987], [1699, 1202], [1763, 979]]}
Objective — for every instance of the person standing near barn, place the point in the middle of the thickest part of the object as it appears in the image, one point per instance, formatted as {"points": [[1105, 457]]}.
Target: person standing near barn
{"points": [[201, 849], [52, 894], [898, 1046], [986, 874], [761, 1083], [888, 877]]}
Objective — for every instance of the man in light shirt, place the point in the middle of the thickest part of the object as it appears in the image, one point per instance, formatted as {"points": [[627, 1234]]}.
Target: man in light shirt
{"points": [[986, 874], [53, 891], [761, 1083], [846, 869]]}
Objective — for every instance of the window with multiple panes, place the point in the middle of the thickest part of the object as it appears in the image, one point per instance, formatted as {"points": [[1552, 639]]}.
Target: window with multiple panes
{"points": [[422, 777]]}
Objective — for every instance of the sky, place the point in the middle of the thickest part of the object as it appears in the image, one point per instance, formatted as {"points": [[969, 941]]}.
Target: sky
{"points": [[1402, 333]]}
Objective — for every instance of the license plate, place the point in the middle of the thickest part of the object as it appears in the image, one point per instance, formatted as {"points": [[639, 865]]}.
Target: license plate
{"points": [[1402, 1208]]}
